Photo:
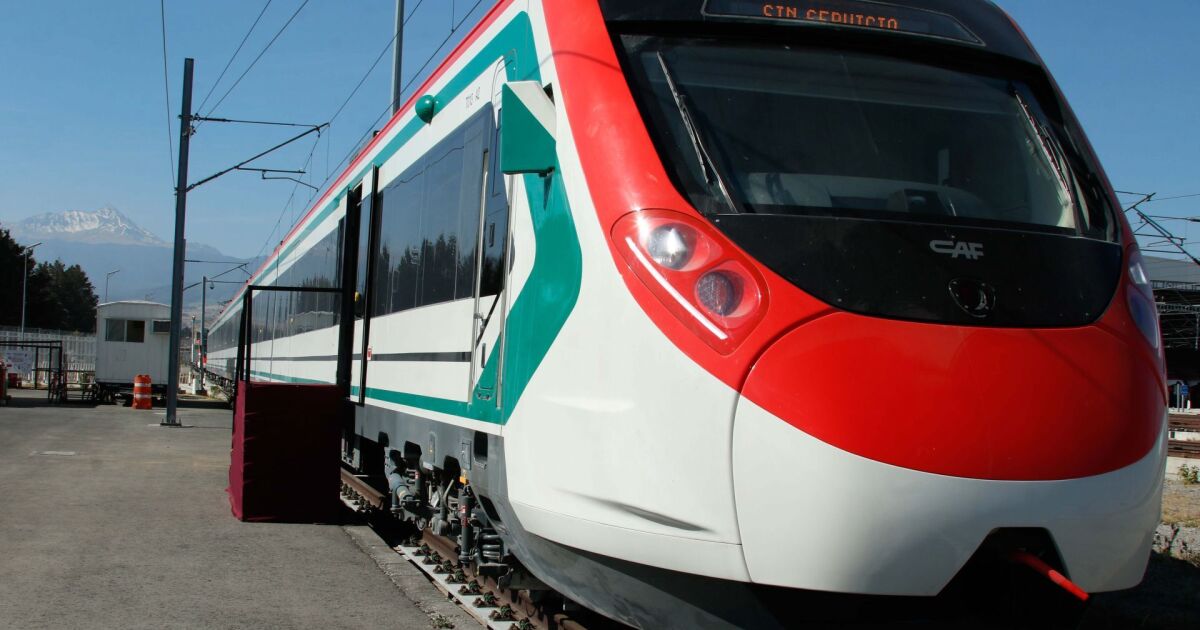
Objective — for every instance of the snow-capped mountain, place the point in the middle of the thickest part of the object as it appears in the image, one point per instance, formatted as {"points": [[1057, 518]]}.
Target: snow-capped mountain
{"points": [[107, 241], [106, 225]]}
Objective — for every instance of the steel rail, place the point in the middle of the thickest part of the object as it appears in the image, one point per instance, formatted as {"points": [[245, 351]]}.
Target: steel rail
{"points": [[435, 554]]}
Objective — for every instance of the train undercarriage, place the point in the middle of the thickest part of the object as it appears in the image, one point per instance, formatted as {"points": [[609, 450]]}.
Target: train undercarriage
{"points": [[446, 530], [436, 518]]}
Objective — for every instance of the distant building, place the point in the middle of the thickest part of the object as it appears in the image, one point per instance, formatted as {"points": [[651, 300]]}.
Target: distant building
{"points": [[1169, 270], [1177, 292], [132, 338]]}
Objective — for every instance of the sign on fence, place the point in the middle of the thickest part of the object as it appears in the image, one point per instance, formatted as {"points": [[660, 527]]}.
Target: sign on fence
{"points": [[20, 360]]}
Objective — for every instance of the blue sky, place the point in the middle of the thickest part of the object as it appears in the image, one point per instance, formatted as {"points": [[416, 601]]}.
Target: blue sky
{"points": [[83, 119]]}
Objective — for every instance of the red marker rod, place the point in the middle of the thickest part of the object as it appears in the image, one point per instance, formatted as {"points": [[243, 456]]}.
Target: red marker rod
{"points": [[1035, 563]]}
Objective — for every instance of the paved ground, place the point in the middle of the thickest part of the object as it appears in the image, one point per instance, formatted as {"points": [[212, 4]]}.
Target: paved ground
{"points": [[109, 521]]}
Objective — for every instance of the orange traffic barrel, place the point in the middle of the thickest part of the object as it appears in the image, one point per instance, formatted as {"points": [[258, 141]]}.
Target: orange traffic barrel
{"points": [[141, 392]]}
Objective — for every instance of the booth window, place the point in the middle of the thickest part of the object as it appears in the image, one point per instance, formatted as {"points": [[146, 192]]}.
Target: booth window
{"points": [[127, 330]]}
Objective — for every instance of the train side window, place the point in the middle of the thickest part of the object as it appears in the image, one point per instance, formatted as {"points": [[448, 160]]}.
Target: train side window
{"points": [[366, 211], [293, 313], [495, 225], [470, 193], [398, 256], [498, 177], [439, 222], [429, 225]]}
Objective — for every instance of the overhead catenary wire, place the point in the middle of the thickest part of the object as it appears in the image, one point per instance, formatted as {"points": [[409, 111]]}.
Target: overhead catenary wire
{"points": [[292, 196], [453, 29], [308, 161], [455, 26], [162, 14], [1158, 231], [287, 204], [1157, 198], [357, 145], [254, 122], [229, 63], [391, 42], [387, 110], [209, 262], [257, 58], [316, 129]]}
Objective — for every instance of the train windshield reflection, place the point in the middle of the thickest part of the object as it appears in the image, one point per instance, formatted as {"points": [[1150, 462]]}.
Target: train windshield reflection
{"points": [[774, 129]]}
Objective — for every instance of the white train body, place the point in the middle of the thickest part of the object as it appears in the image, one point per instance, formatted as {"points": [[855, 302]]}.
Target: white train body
{"points": [[628, 462]]}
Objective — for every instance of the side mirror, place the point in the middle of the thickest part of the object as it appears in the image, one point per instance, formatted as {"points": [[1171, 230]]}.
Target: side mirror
{"points": [[527, 142]]}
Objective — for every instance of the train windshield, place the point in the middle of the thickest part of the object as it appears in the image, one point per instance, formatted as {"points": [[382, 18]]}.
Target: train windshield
{"points": [[777, 129]]}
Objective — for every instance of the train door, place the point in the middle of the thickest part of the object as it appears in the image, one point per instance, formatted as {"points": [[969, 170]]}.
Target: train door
{"points": [[493, 246], [362, 221]]}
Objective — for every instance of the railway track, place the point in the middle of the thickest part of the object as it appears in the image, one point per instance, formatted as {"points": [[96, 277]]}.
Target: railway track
{"points": [[1183, 422], [483, 596], [1184, 448]]}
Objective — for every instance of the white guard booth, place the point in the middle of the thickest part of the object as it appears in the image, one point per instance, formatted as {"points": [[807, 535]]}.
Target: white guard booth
{"points": [[132, 337]]}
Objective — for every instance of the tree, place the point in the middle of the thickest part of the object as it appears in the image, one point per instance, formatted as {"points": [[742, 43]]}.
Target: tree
{"points": [[78, 297], [12, 275], [61, 298], [44, 309]]}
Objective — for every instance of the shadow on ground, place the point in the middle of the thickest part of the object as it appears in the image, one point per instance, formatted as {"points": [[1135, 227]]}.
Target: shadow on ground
{"points": [[1168, 598]]}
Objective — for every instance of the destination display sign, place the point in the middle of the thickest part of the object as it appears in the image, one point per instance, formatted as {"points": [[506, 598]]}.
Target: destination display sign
{"points": [[845, 13]]}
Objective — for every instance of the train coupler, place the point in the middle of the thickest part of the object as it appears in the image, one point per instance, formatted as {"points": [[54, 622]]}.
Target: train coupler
{"points": [[1036, 563]]}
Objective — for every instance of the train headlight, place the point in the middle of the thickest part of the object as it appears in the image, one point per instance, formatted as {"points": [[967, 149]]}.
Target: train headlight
{"points": [[1137, 273], [706, 282], [718, 292], [1140, 299], [1145, 316], [670, 245]]}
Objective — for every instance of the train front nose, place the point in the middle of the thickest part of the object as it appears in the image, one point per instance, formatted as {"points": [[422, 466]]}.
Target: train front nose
{"points": [[876, 455]]}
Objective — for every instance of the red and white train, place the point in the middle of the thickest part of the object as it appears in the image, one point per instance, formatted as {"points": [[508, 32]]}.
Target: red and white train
{"points": [[692, 301]]}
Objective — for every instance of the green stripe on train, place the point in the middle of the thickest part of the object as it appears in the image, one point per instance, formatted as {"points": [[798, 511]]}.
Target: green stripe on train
{"points": [[550, 293]]}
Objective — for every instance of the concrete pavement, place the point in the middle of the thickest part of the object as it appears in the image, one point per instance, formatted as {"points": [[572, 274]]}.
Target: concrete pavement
{"points": [[110, 521]]}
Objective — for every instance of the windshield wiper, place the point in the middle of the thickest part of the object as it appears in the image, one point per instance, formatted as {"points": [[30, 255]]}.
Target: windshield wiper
{"points": [[1059, 160], [708, 166], [1050, 147]]}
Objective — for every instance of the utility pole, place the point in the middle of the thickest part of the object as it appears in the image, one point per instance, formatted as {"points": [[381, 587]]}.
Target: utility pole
{"points": [[186, 118], [106, 277], [25, 285], [397, 52], [181, 190], [203, 331]]}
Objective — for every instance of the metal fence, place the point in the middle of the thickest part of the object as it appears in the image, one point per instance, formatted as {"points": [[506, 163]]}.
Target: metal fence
{"points": [[79, 351]]}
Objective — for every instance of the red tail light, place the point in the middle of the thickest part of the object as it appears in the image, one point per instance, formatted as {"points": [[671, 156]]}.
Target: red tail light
{"points": [[696, 273]]}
